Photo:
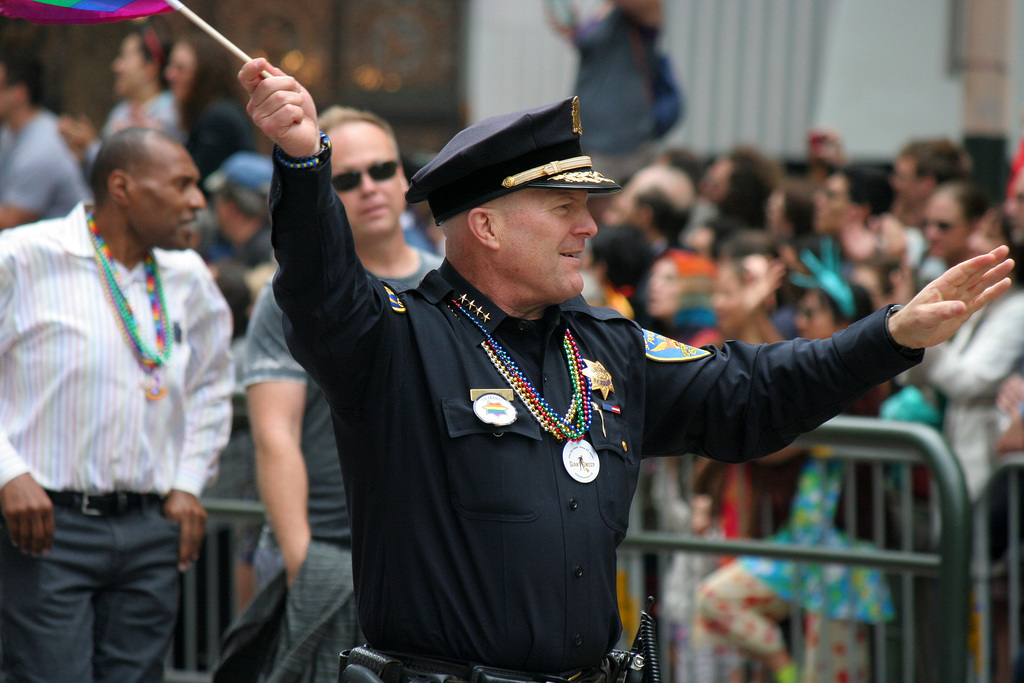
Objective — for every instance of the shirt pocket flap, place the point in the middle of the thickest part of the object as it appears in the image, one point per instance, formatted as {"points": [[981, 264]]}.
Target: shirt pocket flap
{"points": [[462, 421]]}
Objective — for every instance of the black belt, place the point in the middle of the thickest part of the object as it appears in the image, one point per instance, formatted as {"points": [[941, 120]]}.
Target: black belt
{"points": [[394, 668], [103, 504]]}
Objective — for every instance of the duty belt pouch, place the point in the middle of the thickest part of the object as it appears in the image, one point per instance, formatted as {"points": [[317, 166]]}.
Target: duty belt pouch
{"points": [[386, 668]]}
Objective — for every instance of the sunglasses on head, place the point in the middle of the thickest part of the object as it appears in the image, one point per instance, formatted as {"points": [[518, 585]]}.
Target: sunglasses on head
{"points": [[349, 180]]}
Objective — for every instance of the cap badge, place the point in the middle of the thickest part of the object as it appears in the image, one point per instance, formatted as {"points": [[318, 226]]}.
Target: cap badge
{"points": [[582, 177], [667, 350], [577, 126], [600, 378]]}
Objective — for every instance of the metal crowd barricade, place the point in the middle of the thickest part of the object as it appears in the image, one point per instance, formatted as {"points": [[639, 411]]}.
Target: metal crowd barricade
{"points": [[999, 628], [888, 447], [208, 602]]}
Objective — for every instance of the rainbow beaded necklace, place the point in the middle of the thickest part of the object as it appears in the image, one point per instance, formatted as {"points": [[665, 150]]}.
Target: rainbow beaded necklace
{"points": [[576, 423], [149, 359]]}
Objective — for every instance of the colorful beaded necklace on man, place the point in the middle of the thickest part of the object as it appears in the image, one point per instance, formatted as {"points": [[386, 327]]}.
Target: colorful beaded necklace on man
{"points": [[576, 422], [149, 359]]}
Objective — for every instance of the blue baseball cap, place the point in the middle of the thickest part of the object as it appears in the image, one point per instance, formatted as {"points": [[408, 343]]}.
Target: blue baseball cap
{"points": [[246, 169]]}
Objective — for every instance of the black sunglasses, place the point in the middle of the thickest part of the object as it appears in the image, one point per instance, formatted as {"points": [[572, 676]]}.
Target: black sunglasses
{"points": [[944, 226], [349, 180]]}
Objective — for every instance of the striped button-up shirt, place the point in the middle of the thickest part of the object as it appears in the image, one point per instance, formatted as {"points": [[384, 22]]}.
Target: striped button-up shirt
{"points": [[73, 407]]}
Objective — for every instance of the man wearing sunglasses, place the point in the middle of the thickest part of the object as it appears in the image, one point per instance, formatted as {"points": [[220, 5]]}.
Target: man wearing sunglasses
{"points": [[493, 424], [296, 456], [371, 183]]}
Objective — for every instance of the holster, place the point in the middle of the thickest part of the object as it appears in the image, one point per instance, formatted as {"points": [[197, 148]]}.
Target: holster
{"points": [[384, 668]]}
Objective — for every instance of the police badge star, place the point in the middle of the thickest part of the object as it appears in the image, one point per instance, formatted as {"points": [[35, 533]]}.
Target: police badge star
{"points": [[600, 378]]}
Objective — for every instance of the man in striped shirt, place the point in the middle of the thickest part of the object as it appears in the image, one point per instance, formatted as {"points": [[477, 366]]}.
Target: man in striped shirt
{"points": [[115, 382]]}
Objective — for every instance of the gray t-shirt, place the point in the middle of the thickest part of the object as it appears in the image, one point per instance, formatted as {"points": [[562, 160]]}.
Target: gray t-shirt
{"points": [[38, 172], [267, 359]]}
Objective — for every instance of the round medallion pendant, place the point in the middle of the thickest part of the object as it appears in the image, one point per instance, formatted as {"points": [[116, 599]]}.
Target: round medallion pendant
{"points": [[581, 461]]}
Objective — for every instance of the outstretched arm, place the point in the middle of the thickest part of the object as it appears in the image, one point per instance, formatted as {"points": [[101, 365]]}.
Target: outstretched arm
{"points": [[938, 310]]}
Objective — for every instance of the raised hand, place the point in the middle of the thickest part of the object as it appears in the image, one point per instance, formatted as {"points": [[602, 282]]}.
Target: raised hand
{"points": [[938, 310], [762, 277], [281, 107]]}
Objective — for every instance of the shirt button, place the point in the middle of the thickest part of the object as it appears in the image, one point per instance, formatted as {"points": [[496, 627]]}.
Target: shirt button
{"points": [[573, 504], [578, 640], [579, 571], [523, 325]]}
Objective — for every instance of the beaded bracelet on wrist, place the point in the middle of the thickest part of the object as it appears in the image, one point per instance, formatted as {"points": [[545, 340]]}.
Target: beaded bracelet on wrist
{"points": [[305, 162]]}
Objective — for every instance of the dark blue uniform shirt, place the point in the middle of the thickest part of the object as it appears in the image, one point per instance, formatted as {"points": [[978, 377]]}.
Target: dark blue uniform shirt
{"points": [[471, 541]]}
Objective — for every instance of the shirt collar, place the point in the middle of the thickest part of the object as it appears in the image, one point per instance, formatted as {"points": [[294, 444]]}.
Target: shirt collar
{"points": [[77, 241], [446, 284]]}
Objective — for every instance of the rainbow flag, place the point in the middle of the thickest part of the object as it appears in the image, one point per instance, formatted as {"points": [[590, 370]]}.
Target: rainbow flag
{"points": [[84, 11]]}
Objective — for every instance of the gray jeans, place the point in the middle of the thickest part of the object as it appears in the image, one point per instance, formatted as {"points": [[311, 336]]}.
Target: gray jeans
{"points": [[101, 606]]}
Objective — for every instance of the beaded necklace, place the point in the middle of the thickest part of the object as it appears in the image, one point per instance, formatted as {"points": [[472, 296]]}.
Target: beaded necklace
{"points": [[576, 422], [149, 359]]}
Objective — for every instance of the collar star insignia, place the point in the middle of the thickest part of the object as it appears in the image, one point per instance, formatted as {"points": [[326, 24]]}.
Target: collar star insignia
{"points": [[600, 378], [471, 307]]}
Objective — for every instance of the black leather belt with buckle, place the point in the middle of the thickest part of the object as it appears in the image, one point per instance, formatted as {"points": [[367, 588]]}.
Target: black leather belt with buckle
{"points": [[104, 504]]}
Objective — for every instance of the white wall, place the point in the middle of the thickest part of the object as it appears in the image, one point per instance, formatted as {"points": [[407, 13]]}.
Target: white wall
{"points": [[1016, 81], [885, 78], [515, 60]]}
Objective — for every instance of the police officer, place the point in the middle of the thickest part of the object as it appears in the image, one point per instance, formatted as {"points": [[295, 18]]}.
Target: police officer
{"points": [[495, 422]]}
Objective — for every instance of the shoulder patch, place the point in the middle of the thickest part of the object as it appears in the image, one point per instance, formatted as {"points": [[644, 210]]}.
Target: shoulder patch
{"points": [[667, 350], [396, 304]]}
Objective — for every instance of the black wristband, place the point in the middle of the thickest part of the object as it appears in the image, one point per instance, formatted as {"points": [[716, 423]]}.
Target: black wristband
{"points": [[905, 350]]}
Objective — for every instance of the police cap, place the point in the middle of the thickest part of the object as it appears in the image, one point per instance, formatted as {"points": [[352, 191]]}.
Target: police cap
{"points": [[533, 148]]}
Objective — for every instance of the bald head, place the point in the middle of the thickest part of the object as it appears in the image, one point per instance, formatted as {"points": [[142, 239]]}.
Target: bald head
{"points": [[658, 183], [657, 199], [127, 150], [668, 181]]}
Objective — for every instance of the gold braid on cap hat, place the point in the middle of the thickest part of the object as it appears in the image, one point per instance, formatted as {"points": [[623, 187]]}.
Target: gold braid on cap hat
{"points": [[550, 168]]}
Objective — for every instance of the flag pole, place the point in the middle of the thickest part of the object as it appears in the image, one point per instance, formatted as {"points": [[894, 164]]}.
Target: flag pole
{"points": [[214, 33]]}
